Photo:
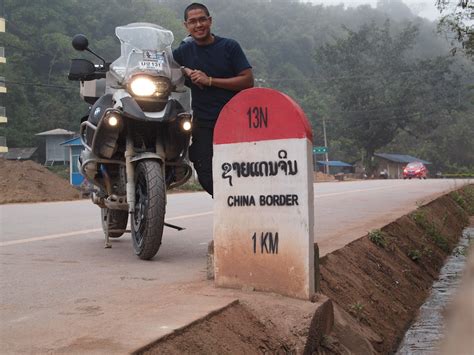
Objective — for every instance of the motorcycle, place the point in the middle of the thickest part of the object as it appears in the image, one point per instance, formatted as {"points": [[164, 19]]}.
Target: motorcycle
{"points": [[136, 134]]}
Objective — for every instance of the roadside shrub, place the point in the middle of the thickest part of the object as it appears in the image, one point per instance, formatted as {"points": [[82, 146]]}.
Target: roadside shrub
{"points": [[378, 237], [414, 255], [419, 216], [357, 309]]}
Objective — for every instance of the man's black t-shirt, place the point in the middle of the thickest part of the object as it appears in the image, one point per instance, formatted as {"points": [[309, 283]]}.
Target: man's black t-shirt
{"points": [[223, 58]]}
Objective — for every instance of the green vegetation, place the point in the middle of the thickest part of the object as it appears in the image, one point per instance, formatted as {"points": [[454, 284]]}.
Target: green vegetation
{"points": [[381, 78], [414, 254], [357, 309], [457, 17], [430, 228], [459, 175], [461, 251], [190, 185], [378, 237], [60, 170], [427, 251], [465, 199]]}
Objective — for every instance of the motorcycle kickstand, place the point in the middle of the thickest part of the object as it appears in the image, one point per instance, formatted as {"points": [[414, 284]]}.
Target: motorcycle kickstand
{"points": [[108, 245]]}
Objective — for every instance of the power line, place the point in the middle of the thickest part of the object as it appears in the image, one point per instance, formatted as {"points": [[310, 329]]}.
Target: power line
{"points": [[53, 86]]}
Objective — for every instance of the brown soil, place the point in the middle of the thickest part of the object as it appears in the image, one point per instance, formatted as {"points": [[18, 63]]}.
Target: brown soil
{"points": [[27, 181], [224, 333], [382, 286], [376, 290], [322, 177]]}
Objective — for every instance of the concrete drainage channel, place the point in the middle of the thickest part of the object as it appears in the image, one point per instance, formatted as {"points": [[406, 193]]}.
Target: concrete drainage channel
{"points": [[424, 335], [371, 291]]}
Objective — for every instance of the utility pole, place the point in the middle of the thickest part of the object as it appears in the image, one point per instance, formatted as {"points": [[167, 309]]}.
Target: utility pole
{"points": [[326, 145]]}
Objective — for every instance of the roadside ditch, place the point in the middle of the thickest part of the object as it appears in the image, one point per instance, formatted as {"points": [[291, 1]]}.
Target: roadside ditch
{"points": [[376, 284]]}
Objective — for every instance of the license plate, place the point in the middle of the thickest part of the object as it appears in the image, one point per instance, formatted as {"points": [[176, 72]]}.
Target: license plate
{"points": [[151, 65]]}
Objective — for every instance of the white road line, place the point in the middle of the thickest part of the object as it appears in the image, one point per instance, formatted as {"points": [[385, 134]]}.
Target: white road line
{"points": [[48, 237], [76, 233], [189, 216], [353, 191]]}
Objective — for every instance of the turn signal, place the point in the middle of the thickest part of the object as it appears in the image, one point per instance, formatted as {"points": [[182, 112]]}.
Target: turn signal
{"points": [[186, 125], [113, 120]]}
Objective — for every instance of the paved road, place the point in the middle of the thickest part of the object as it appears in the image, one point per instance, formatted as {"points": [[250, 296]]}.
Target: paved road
{"points": [[62, 292]]}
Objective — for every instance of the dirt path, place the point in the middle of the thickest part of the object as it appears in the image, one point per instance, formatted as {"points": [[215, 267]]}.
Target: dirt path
{"points": [[27, 181]]}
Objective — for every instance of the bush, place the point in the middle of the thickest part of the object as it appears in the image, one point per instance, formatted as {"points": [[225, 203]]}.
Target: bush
{"points": [[378, 237]]}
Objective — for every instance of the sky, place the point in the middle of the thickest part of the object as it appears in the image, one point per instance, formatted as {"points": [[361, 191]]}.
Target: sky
{"points": [[422, 8]]}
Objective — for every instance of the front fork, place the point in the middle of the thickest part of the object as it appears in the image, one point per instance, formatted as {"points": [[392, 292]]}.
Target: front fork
{"points": [[131, 158], [130, 185], [130, 172]]}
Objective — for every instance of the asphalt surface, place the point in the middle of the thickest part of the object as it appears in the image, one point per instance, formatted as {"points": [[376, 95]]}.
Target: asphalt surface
{"points": [[61, 291]]}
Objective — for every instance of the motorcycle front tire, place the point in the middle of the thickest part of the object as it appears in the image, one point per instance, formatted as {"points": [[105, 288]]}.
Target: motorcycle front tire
{"points": [[148, 219], [114, 219]]}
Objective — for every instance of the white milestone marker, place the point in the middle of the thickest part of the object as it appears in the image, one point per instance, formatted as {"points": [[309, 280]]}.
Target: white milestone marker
{"points": [[263, 195]]}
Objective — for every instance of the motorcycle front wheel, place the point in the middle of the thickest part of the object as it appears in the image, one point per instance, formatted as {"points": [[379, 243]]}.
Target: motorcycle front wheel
{"points": [[114, 220], [147, 221]]}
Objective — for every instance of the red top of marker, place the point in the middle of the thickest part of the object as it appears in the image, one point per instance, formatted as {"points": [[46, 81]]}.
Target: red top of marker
{"points": [[260, 114]]}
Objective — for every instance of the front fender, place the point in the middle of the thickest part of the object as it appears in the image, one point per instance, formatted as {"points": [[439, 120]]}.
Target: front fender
{"points": [[147, 155]]}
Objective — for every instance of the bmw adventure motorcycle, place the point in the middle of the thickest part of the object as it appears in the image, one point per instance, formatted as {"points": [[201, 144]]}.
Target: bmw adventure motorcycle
{"points": [[137, 133]]}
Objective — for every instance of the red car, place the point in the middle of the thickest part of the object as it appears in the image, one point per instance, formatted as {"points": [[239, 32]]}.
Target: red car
{"points": [[415, 169]]}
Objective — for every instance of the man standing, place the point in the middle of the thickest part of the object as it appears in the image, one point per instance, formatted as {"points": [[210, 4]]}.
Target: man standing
{"points": [[217, 69]]}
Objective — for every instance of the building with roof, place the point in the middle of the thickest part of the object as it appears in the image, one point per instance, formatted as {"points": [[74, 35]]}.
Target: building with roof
{"points": [[334, 167], [3, 87], [393, 164], [75, 148], [55, 152], [20, 154]]}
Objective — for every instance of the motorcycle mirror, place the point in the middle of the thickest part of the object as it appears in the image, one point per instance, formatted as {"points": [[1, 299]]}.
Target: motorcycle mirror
{"points": [[80, 42]]}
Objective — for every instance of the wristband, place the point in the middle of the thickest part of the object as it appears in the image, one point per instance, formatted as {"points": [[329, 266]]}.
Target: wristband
{"points": [[210, 81]]}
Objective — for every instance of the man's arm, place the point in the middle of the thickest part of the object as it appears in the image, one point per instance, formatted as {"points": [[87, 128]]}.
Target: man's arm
{"points": [[241, 81]]}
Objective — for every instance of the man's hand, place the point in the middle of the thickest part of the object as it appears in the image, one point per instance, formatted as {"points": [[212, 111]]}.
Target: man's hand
{"points": [[199, 78], [241, 81], [194, 75]]}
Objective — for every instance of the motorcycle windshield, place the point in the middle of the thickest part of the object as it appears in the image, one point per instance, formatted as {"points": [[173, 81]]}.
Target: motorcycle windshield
{"points": [[145, 48]]}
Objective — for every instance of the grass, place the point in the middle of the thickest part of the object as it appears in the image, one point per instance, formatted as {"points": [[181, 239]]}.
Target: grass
{"points": [[60, 170], [420, 218], [357, 309], [414, 255], [378, 237], [190, 185], [465, 199]]}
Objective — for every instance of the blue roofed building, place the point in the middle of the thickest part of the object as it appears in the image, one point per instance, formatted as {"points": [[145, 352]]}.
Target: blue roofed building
{"points": [[75, 148], [334, 166], [393, 164]]}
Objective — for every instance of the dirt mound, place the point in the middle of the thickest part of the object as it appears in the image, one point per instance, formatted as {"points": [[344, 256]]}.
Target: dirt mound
{"points": [[322, 177], [27, 181]]}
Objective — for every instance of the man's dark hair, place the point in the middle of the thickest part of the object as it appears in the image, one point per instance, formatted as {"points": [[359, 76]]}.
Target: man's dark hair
{"points": [[195, 6]]}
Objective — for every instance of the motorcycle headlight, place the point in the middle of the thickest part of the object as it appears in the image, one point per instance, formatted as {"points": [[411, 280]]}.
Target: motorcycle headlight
{"points": [[149, 86], [142, 86]]}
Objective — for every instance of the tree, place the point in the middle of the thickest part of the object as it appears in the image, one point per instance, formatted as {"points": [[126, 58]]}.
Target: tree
{"points": [[379, 91], [458, 19], [38, 43]]}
